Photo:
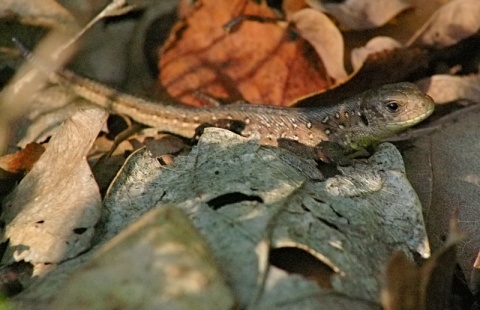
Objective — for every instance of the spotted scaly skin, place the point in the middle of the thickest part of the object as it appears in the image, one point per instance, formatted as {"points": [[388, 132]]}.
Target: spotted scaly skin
{"points": [[353, 123]]}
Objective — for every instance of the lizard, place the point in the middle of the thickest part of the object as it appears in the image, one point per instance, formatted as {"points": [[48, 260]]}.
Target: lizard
{"points": [[351, 125]]}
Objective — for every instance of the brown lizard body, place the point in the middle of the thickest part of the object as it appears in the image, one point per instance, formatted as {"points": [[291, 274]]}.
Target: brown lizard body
{"points": [[353, 123]]}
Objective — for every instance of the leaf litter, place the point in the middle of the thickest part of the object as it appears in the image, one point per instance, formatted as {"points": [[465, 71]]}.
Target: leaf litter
{"points": [[379, 64]]}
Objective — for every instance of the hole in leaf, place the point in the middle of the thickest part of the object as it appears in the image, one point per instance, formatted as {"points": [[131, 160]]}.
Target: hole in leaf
{"points": [[11, 277], [295, 260], [79, 230], [231, 198]]}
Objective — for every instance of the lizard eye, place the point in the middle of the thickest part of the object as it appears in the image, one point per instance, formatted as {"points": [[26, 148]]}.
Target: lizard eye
{"points": [[392, 106]]}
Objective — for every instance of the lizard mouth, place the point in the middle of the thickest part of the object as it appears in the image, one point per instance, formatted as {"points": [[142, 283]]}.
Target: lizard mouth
{"points": [[413, 120]]}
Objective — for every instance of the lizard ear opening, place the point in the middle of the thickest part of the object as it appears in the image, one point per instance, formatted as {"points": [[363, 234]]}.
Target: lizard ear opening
{"points": [[364, 119]]}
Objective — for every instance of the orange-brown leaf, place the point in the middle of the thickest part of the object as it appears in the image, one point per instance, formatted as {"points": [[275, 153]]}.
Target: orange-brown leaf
{"points": [[258, 62], [23, 160]]}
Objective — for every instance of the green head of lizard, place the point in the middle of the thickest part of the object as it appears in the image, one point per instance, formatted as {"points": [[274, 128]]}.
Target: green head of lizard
{"points": [[386, 110]]}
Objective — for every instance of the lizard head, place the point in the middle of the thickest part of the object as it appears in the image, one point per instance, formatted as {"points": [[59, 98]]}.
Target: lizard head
{"points": [[389, 109]]}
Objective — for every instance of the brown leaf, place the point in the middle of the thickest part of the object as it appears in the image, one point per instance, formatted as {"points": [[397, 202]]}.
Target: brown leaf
{"points": [[475, 276], [259, 62], [52, 213], [444, 88], [13, 166], [408, 287], [363, 14], [324, 36], [453, 22], [379, 68], [375, 45], [23, 160], [292, 6], [401, 29], [46, 13], [402, 287]]}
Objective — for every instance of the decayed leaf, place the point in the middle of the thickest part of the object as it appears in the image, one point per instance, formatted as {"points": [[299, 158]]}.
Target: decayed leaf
{"points": [[408, 287], [450, 24], [324, 36], [46, 13], [159, 262], [51, 215], [245, 199], [363, 14], [444, 88], [258, 62]]}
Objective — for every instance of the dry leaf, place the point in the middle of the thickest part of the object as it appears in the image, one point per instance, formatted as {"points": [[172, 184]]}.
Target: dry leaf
{"points": [[402, 287], [378, 69], [408, 287], [159, 262], [16, 97], [450, 24], [292, 6], [444, 88], [475, 276], [50, 217], [45, 13], [401, 29], [239, 203], [363, 14], [323, 35], [451, 182], [13, 166], [258, 62], [375, 45], [23, 160]]}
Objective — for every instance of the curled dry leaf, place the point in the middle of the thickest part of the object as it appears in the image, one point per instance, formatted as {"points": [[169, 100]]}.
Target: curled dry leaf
{"points": [[45, 13], [444, 88], [17, 96], [375, 45], [324, 36], [408, 287], [51, 215], [387, 66], [292, 6], [363, 14], [453, 22], [258, 62]]}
